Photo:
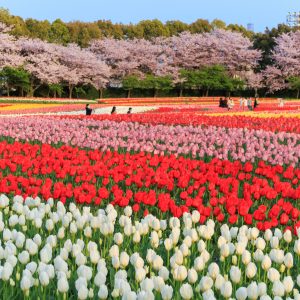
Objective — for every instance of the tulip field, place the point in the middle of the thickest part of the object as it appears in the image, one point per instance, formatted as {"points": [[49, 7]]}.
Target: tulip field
{"points": [[174, 201]]}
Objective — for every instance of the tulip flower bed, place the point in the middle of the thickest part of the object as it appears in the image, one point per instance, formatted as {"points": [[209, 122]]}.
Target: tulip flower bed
{"points": [[44, 100], [165, 205], [251, 193], [267, 122], [68, 252], [195, 142]]}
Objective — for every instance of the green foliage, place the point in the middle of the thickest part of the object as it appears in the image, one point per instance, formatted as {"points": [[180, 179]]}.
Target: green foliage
{"points": [[210, 78], [153, 28], [59, 32], [83, 33], [131, 82], [56, 90], [294, 83], [15, 78]]}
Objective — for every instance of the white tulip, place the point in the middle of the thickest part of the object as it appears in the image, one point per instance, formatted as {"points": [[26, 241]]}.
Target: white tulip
{"points": [[260, 243], [26, 283], [246, 257], [192, 276], [140, 274], [195, 216], [219, 281], [118, 238], [288, 284], [206, 283], [100, 279], [44, 278], [278, 288], [252, 291], [251, 270], [180, 273], [80, 259], [274, 242], [241, 293], [147, 285], [266, 263], [83, 293], [289, 260], [278, 233], [186, 291], [157, 262], [235, 274], [287, 236], [262, 289], [63, 285], [158, 283], [103, 292], [226, 289], [85, 272], [167, 292], [164, 273], [128, 211], [297, 247], [124, 259], [273, 275], [23, 257], [268, 235]]}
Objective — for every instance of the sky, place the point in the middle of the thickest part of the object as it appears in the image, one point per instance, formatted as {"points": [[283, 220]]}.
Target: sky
{"points": [[262, 13]]}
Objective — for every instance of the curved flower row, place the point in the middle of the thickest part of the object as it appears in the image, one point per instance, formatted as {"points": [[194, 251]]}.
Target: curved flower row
{"points": [[274, 123], [52, 251], [228, 191], [234, 144]]}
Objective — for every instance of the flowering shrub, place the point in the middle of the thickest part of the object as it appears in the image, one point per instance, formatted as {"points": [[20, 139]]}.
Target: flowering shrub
{"points": [[53, 251]]}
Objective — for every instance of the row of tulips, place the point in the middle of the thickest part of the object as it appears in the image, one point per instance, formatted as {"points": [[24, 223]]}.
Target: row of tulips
{"points": [[275, 123], [197, 142], [231, 192], [50, 251], [14, 99]]}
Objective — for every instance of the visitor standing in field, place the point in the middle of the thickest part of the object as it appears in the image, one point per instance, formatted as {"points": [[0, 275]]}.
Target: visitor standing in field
{"points": [[113, 111], [241, 103], [249, 103], [129, 111], [88, 110]]}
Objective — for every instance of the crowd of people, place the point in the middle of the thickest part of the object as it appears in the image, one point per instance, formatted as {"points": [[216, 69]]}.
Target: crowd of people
{"points": [[244, 103]]}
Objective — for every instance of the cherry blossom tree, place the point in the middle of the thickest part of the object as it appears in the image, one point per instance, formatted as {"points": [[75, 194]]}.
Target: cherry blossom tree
{"points": [[223, 47], [286, 57], [41, 61], [9, 49], [81, 66]]}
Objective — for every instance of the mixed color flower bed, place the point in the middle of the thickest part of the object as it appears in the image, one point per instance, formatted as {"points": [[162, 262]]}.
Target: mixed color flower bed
{"points": [[181, 202]]}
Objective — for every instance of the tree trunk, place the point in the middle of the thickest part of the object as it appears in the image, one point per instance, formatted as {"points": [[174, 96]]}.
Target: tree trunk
{"points": [[255, 90], [207, 91], [155, 93], [54, 93], [22, 92], [298, 93], [100, 93], [128, 93], [8, 90], [71, 87], [180, 92]]}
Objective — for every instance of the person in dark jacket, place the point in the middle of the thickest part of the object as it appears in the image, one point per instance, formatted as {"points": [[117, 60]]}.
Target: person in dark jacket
{"points": [[129, 111], [113, 111], [88, 110]]}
